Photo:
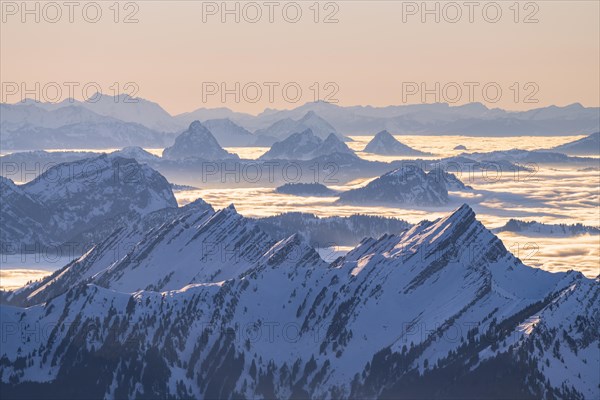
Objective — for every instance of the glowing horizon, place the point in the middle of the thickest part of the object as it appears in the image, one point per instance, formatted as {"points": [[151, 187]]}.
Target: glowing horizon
{"points": [[371, 55]]}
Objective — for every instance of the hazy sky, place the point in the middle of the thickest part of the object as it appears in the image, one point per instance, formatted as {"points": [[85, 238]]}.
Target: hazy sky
{"points": [[378, 53]]}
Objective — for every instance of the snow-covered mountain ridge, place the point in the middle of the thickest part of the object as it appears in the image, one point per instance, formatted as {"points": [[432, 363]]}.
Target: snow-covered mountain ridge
{"points": [[419, 313], [406, 185], [71, 198]]}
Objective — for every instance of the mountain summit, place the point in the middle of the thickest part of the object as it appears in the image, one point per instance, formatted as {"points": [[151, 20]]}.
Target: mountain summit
{"points": [[74, 198], [589, 145], [283, 128], [385, 144], [229, 133], [406, 185], [196, 142], [306, 146]]}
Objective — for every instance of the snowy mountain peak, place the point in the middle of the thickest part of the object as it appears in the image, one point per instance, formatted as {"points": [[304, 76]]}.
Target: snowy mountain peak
{"points": [[458, 219], [225, 213], [446, 230], [199, 203], [464, 211], [405, 171], [95, 176], [82, 197], [406, 185], [291, 249], [135, 152]]}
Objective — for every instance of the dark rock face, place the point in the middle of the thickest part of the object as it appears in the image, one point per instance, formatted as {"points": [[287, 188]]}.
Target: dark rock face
{"points": [[534, 228], [331, 231], [197, 142]]}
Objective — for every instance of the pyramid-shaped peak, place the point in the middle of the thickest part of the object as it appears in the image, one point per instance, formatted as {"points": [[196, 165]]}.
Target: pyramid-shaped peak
{"points": [[307, 132], [461, 217], [313, 117], [332, 137], [197, 142], [294, 252], [196, 126], [384, 143], [383, 133], [227, 211], [462, 211], [384, 136]]}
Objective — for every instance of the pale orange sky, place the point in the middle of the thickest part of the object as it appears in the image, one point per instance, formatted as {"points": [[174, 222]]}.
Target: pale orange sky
{"points": [[368, 54]]}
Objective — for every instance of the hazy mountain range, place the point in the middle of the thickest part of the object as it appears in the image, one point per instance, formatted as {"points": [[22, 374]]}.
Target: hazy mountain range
{"points": [[287, 126], [196, 159], [306, 145], [474, 119], [32, 127], [119, 121]]}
